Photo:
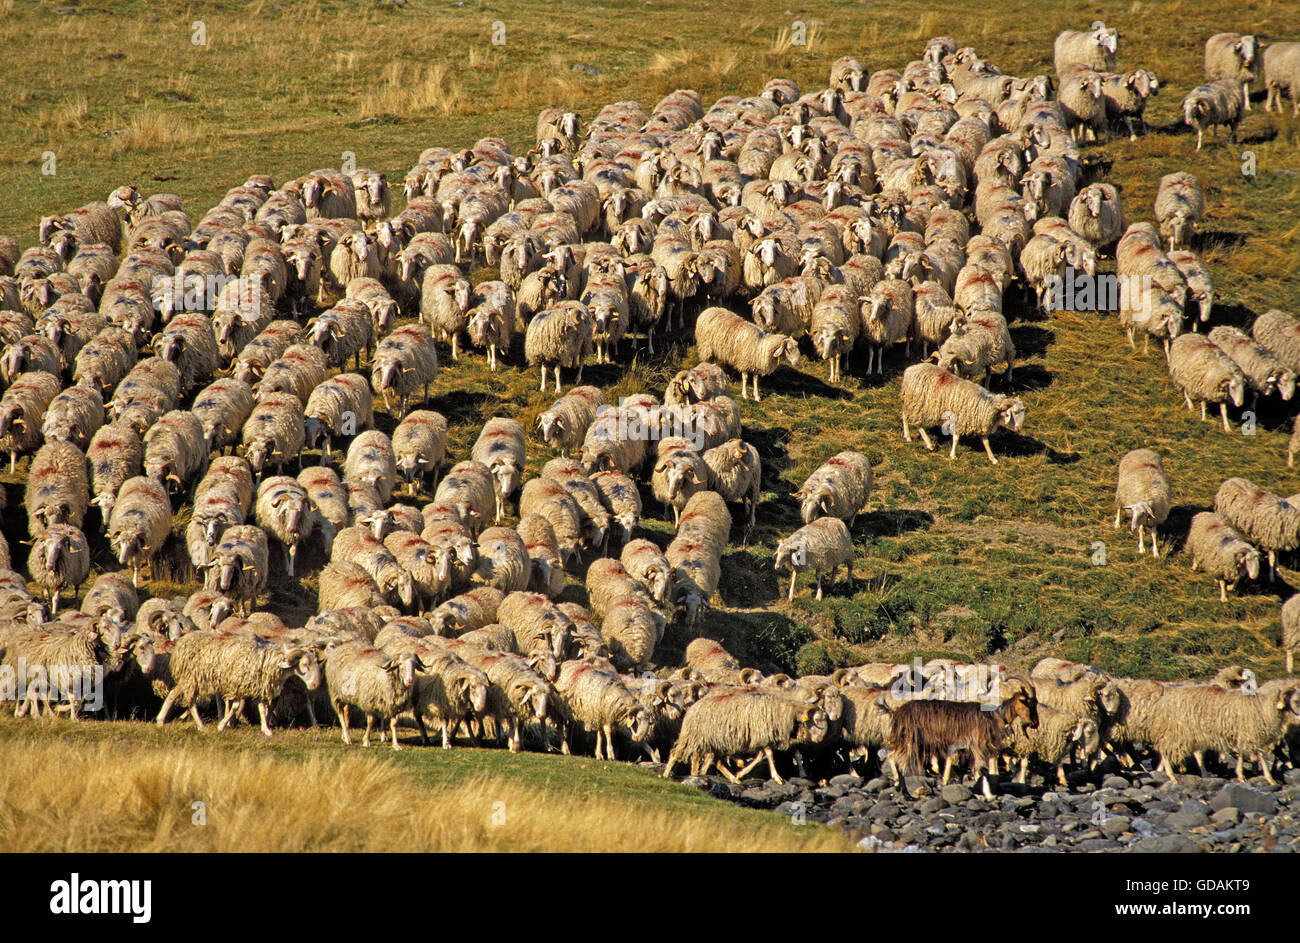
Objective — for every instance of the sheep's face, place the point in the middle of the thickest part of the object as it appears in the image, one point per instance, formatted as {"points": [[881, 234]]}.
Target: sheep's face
{"points": [[813, 725], [1248, 562], [1012, 415], [1236, 390], [1109, 698], [783, 559]]}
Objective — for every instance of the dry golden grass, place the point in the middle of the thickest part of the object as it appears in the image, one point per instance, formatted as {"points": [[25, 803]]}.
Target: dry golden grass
{"points": [[132, 797], [408, 91], [152, 130], [69, 115]]}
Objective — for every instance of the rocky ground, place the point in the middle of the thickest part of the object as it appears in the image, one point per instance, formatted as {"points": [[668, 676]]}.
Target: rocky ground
{"points": [[1107, 811]]}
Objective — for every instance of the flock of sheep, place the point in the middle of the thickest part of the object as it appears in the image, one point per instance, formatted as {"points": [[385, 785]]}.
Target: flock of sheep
{"points": [[152, 362]]}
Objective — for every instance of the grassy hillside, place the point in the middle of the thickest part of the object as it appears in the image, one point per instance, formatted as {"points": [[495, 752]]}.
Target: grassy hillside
{"points": [[957, 558]]}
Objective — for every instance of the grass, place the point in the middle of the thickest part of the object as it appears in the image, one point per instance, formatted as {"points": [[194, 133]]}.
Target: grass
{"points": [[117, 787], [953, 558]]}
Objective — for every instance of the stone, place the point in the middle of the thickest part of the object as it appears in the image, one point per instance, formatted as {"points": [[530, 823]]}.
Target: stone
{"points": [[1230, 815], [1244, 798], [932, 805], [956, 793], [1185, 820], [1115, 826], [1166, 845]]}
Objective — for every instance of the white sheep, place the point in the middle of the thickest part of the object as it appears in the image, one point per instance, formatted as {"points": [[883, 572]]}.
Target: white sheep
{"points": [[1263, 518], [822, 546], [1213, 104], [140, 523], [731, 340], [1207, 374], [934, 397], [1142, 491], [1221, 551]]}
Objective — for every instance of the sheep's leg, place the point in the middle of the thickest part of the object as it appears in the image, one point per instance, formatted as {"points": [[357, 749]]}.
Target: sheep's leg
{"points": [[771, 766], [1265, 767], [1241, 777], [749, 767], [557, 377], [952, 453], [231, 707], [1188, 399], [670, 765], [167, 703], [263, 710], [370, 722], [1118, 512], [1223, 590], [987, 448], [818, 578], [543, 378], [947, 770], [1223, 412], [925, 438], [907, 432], [392, 725], [754, 383], [609, 742], [342, 711], [793, 574], [198, 721]]}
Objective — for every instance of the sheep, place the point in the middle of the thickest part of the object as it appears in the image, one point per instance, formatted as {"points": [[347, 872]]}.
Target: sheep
{"points": [[572, 477], [620, 497], [59, 558], [363, 677], [932, 396], [469, 487], [547, 567], [679, 472], [696, 572], [564, 425], [744, 722], [595, 697], [113, 595], [646, 563], [468, 611], [500, 448], [104, 361], [1221, 551], [340, 406], [361, 546], [92, 223], [445, 303], [1212, 104], [840, 487], [222, 408], [559, 336], [822, 546], [1094, 49], [1282, 71], [1059, 737], [343, 332], [1264, 372], [1142, 491], [492, 323], [517, 694], [21, 409], [74, 416], [616, 440], [503, 560], [1233, 56], [834, 327], [1205, 373], [1280, 333], [1179, 206], [189, 343], [58, 488], [539, 627], [370, 459], [734, 342], [235, 668], [704, 381], [174, 449], [449, 691], [921, 728], [540, 289], [61, 661], [1193, 718], [274, 432], [1097, 215], [736, 473], [887, 315], [405, 361], [140, 523], [344, 585], [1291, 630], [237, 567], [284, 512], [1082, 99], [1263, 518], [420, 445], [1126, 96]]}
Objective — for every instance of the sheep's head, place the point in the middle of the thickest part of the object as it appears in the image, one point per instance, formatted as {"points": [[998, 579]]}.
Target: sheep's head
{"points": [[1235, 389], [816, 503], [1105, 37], [1092, 201], [1141, 515], [1011, 413], [813, 724], [1194, 111], [1247, 562]]}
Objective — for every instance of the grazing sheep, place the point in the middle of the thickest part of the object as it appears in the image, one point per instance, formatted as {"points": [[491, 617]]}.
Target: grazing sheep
{"points": [[1234, 56], [616, 440], [1205, 373], [934, 397], [840, 487], [1200, 289], [1142, 491], [189, 343], [222, 408], [646, 563], [339, 406], [503, 560], [140, 523], [559, 336], [59, 558], [237, 567], [572, 477], [420, 445], [74, 416], [500, 448], [345, 585], [58, 488], [470, 489], [539, 627], [274, 432], [595, 697], [405, 361], [468, 611], [704, 381], [736, 473], [174, 449], [284, 512], [731, 340], [564, 425], [517, 694], [547, 567], [1280, 333], [363, 677], [104, 361], [370, 459], [21, 409], [744, 722], [1215, 103], [1266, 520], [822, 546], [620, 497], [1282, 72], [1291, 630], [1264, 372], [343, 332], [1094, 49], [1221, 551], [1179, 207], [234, 668]]}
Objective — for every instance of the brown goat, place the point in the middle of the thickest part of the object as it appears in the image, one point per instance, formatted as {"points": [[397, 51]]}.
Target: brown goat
{"points": [[924, 728]]}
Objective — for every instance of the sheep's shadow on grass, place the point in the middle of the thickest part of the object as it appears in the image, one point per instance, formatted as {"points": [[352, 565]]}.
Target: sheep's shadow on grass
{"points": [[1017, 445], [747, 581], [461, 406], [1237, 315], [1209, 239], [1031, 341], [791, 382], [1260, 133], [893, 522], [1032, 377]]}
